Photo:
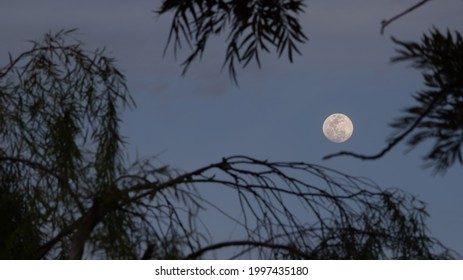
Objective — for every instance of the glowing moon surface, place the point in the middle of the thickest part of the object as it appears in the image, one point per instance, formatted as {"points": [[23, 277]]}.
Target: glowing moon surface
{"points": [[338, 128]]}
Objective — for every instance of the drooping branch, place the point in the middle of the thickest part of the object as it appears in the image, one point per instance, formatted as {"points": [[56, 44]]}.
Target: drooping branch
{"points": [[338, 210], [268, 222], [253, 27], [59, 128]]}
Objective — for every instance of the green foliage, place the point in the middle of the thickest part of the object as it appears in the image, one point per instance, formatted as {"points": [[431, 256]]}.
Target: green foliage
{"points": [[253, 26], [59, 128], [438, 115]]}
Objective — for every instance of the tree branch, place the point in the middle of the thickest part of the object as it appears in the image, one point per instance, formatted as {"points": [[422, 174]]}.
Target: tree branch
{"points": [[45, 248], [392, 143], [38, 166], [154, 187], [34, 165], [102, 205], [437, 98], [385, 23], [268, 245]]}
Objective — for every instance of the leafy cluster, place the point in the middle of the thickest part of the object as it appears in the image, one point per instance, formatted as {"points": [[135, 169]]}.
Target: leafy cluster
{"points": [[252, 26], [60, 145], [438, 116]]}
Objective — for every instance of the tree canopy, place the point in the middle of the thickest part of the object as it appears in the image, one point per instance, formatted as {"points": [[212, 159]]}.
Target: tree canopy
{"points": [[68, 191]]}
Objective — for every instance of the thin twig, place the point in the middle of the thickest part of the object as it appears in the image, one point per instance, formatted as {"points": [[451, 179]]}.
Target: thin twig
{"points": [[395, 141], [385, 23], [437, 98]]}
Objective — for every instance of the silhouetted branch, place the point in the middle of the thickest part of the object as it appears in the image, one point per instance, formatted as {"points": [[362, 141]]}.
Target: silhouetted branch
{"points": [[34, 165], [395, 140], [263, 189], [438, 112], [89, 220], [38, 166], [254, 244], [43, 250], [385, 23]]}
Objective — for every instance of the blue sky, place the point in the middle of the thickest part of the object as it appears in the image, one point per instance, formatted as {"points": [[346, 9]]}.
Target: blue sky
{"points": [[277, 111]]}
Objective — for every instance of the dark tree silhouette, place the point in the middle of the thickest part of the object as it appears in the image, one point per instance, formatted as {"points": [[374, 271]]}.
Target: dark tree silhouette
{"points": [[438, 115], [67, 190], [252, 25]]}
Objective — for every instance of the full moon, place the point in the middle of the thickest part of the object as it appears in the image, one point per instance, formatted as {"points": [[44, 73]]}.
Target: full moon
{"points": [[338, 128]]}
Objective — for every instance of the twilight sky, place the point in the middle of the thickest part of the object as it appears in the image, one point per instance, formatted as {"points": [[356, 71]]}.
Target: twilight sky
{"points": [[277, 112]]}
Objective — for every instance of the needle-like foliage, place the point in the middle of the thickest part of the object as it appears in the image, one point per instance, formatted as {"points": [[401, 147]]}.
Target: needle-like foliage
{"points": [[253, 26], [438, 114], [59, 129]]}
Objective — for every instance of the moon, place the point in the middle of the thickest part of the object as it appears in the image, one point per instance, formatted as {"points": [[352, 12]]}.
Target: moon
{"points": [[338, 128]]}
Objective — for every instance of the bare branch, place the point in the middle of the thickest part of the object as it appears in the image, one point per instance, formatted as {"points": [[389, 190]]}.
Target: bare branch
{"points": [[255, 244], [385, 23]]}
